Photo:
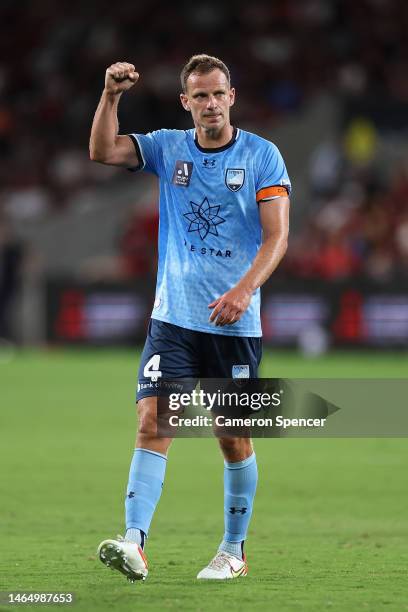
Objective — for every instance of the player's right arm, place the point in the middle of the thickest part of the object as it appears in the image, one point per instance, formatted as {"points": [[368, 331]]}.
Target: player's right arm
{"points": [[106, 145]]}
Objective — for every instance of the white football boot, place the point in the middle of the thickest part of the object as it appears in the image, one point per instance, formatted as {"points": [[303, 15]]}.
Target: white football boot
{"points": [[126, 557], [224, 567]]}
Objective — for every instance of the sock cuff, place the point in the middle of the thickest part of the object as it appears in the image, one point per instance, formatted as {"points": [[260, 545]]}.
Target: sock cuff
{"points": [[238, 465], [150, 452], [233, 548]]}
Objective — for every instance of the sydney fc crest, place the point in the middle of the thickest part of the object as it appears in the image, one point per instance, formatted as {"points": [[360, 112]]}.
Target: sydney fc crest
{"points": [[234, 178], [240, 371]]}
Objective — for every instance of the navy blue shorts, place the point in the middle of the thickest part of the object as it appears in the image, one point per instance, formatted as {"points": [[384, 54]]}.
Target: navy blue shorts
{"points": [[172, 352]]}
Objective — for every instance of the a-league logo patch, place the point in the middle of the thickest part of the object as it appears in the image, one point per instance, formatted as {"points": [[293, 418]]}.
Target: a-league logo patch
{"points": [[240, 371], [234, 178], [182, 173]]}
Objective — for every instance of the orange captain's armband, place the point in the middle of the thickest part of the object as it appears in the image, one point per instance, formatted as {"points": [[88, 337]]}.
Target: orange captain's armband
{"points": [[271, 192]]}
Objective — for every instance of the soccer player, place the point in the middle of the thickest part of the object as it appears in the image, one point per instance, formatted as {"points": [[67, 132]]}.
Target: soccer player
{"points": [[224, 219]]}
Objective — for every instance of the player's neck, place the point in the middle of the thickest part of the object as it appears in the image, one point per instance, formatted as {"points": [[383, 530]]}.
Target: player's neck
{"points": [[213, 139]]}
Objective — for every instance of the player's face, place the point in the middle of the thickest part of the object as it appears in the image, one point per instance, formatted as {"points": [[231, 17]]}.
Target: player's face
{"points": [[209, 98]]}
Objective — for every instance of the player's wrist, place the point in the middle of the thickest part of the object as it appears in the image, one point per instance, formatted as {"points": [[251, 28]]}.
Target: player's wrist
{"points": [[246, 287], [111, 95]]}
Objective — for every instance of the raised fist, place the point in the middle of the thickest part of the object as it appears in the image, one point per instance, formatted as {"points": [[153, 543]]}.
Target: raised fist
{"points": [[120, 77]]}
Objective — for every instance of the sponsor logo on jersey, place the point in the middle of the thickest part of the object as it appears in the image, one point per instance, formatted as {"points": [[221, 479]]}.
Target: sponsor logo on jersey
{"points": [[204, 218], [240, 371], [234, 178], [207, 250], [182, 173]]}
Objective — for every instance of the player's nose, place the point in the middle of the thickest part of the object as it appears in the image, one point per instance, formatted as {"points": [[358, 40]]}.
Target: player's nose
{"points": [[212, 102]]}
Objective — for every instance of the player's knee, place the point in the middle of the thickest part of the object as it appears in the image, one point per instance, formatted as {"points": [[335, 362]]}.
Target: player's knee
{"points": [[235, 449], [147, 425], [147, 412]]}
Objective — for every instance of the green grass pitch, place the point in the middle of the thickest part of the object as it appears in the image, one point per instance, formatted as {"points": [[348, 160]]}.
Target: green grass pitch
{"points": [[329, 530]]}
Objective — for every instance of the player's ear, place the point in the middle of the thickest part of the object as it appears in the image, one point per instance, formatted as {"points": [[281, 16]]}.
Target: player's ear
{"points": [[184, 101], [232, 96]]}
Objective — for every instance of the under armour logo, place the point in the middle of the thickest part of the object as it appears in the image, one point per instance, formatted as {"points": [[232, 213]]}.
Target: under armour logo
{"points": [[208, 163], [130, 494], [236, 510]]}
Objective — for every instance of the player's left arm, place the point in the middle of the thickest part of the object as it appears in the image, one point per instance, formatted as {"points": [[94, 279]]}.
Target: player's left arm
{"points": [[274, 216]]}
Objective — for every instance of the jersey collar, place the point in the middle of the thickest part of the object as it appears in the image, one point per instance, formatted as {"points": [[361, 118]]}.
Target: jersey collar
{"points": [[235, 133]]}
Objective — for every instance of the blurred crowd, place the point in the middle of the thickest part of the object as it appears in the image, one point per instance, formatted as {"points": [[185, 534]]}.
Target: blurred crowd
{"points": [[357, 225], [136, 250], [282, 53]]}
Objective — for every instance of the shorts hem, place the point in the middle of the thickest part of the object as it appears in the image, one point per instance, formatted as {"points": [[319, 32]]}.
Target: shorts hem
{"points": [[205, 330]]}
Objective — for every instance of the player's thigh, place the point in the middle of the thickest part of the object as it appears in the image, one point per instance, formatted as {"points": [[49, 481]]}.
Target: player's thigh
{"points": [[233, 359], [169, 361]]}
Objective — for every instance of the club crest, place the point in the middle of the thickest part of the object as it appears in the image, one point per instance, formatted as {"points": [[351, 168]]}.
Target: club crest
{"points": [[234, 178], [240, 371]]}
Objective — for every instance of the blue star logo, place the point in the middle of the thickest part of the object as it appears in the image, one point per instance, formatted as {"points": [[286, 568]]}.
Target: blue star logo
{"points": [[204, 218]]}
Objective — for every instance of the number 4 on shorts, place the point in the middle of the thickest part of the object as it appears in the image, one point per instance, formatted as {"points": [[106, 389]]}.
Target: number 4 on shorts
{"points": [[151, 369]]}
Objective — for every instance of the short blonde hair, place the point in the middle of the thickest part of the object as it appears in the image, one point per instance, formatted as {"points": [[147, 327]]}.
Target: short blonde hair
{"points": [[202, 64]]}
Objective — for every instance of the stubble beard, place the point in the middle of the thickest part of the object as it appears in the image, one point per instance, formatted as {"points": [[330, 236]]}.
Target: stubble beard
{"points": [[213, 132]]}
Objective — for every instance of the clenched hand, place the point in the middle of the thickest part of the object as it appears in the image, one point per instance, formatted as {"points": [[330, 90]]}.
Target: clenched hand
{"points": [[120, 77]]}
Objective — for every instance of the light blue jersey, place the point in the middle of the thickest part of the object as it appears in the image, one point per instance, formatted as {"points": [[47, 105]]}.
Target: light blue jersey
{"points": [[210, 230]]}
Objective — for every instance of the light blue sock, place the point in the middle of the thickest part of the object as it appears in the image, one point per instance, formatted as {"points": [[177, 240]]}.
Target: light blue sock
{"points": [[240, 481], [146, 476]]}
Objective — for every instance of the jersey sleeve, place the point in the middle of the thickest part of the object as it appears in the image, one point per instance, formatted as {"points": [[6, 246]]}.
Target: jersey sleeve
{"points": [[149, 150], [273, 180]]}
